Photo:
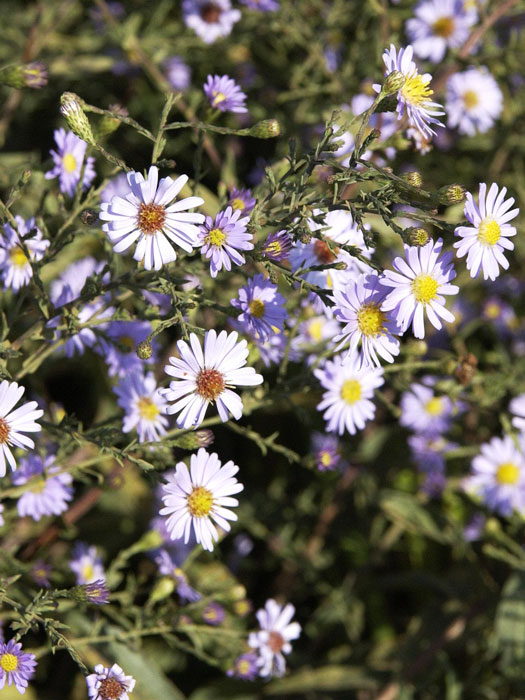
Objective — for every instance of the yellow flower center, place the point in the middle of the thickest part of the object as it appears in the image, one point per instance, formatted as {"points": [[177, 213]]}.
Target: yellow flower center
{"points": [[470, 99], [218, 97], [315, 329], [110, 689], [243, 667], [88, 571], [200, 502], [434, 407], [257, 308], [209, 384], [151, 218], [325, 459], [424, 288], [444, 26], [489, 231], [9, 662], [4, 431], [215, 237], [237, 203], [147, 409], [351, 391], [69, 162], [492, 310], [370, 319], [415, 91], [273, 248], [17, 256], [507, 473]]}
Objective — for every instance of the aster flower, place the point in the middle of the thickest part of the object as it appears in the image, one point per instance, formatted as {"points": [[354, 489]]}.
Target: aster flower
{"points": [[414, 98], [244, 667], [13, 424], [277, 246], [358, 306], [118, 186], [418, 285], [263, 308], [326, 451], [349, 390], [204, 378], [177, 72], [224, 94], [429, 449], [498, 477], [118, 348], [40, 572], [438, 25], [111, 683], [167, 567], [274, 637], [86, 564], [144, 404], [214, 614], [48, 498], [485, 241], [517, 408], [16, 666], [424, 412], [15, 266], [473, 101], [222, 238], [68, 159], [200, 497], [316, 329], [95, 592], [242, 199], [210, 20], [147, 215]]}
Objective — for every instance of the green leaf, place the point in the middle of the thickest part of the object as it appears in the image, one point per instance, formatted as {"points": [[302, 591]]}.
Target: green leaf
{"points": [[404, 509], [325, 678], [509, 626]]}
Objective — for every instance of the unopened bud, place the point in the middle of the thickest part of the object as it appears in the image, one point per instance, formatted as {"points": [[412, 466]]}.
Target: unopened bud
{"points": [[417, 236], [413, 178], [339, 266], [394, 81], [194, 440], [266, 129], [492, 526], [107, 124], [144, 350], [305, 237], [152, 539], [71, 108], [30, 75], [451, 194], [162, 589], [89, 217]]}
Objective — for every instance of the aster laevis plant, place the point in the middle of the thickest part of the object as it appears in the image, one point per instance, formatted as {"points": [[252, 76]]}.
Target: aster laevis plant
{"points": [[224, 94], [144, 405], [14, 423], [48, 498]]}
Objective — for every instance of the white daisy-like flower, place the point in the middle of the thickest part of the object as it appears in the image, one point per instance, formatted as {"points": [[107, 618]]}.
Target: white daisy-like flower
{"points": [[474, 101], [485, 241], [439, 24], [274, 637], [145, 213], [414, 98], [145, 406], [109, 683], [200, 496], [349, 390], [359, 307], [13, 424], [418, 285], [517, 408], [499, 476], [204, 378], [15, 266]]}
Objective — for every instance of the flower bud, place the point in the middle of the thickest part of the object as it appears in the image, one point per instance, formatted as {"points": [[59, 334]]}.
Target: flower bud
{"points": [[71, 109], [30, 75], [152, 539], [144, 350], [96, 593], [413, 178], [194, 440], [266, 129], [162, 589], [394, 81], [451, 194], [417, 236]]}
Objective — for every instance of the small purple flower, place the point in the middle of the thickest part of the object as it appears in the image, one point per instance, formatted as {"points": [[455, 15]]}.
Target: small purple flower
{"points": [[224, 94], [68, 159], [48, 498], [40, 573], [109, 683], [213, 614], [424, 412], [86, 564], [16, 667], [144, 405], [242, 199], [222, 238], [35, 75], [245, 667], [277, 246], [326, 451], [263, 308], [177, 72], [474, 528], [167, 567], [119, 353], [15, 266], [96, 592], [210, 20]]}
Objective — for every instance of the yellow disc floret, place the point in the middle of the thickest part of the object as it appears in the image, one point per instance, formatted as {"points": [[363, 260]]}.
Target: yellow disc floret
{"points": [[218, 97], [257, 308], [351, 391], [470, 99], [17, 256], [8, 662], [237, 203], [434, 407], [215, 237], [69, 162], [370, 319], [200, 502], [507, 473], [444, 26], [415, 91], [424, 288], [147, 409], [489, 231]]}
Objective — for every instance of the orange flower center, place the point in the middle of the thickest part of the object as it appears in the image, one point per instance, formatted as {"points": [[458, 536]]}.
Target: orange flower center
{"points": [[110, 689], [210, 384], [210, 12], [151, 218], [4, 431], [275, 642], [323, 253]]}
